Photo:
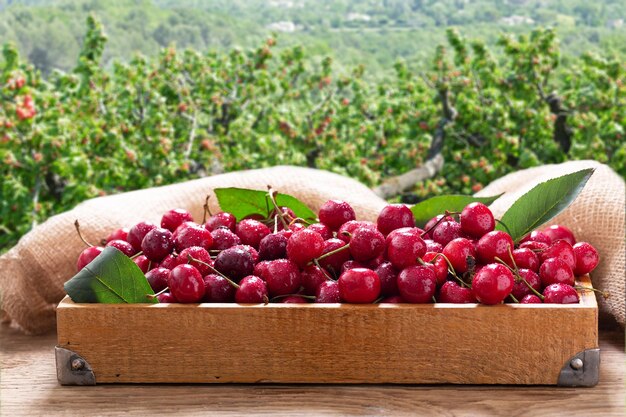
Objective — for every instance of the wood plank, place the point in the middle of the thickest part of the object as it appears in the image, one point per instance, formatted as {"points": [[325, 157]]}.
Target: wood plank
{"points": [[317, 343], [28, 387]]}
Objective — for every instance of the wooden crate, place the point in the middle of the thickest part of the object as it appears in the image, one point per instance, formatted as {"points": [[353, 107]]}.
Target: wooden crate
{"points": [[329, 343]]}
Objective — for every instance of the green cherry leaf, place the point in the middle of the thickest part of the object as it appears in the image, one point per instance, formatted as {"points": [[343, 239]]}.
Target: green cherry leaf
{"points": [[542, 203], [111, 278], [435, 206], [242, 202]]}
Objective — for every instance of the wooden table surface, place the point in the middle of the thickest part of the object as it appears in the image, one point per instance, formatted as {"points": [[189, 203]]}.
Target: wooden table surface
{"points": [[29, 388]]}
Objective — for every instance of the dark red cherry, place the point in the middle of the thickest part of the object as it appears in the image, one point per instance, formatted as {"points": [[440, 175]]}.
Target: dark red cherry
{"points": [[394, 299], [367, 244], [273, 246], [388, 276], [445, 232], [345, 231], [304, 246], [251, 232], [196, 252], [282, 277], [312, 276], [562, 250], [158, 278], [294, 299], [174, 218], [217, 290], [530, 299], [351, 264], [322, 229], [417, 284], [439, 265], [520, 289], [526, 258], [235, 263], [253, 252], [143, 263], [191, 234], [223, 219], [123, 246], [334, 262], [138, 232], [169, 262], [328, 292], [157, 244], [223, 238], [166, 297]]}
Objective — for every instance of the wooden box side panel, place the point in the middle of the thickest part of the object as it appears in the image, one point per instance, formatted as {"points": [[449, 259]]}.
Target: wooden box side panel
{"points": [[440, 343]]}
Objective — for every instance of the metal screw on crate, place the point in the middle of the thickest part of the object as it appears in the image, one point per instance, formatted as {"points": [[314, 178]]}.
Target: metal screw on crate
{"points": [[576, 363], [78, 364]]}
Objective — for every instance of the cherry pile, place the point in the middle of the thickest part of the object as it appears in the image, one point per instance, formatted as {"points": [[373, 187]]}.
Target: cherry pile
{"points": [[456, 258]]}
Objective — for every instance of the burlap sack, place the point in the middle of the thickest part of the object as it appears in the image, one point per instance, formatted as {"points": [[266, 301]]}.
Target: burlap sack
{"points": [[596, 216], [33, 272]]}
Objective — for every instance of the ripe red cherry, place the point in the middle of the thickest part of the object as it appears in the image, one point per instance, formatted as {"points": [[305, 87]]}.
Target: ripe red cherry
{"points": [[417, 284], [445, 232], [530, 299], [186, 284], [235, 263], [143, 263], [273, 246], [198, 253], [304, 246], [394, 216], [253, 252], [260, 269], [223, 219], [345, 231], [457, 252], [296, 227], [158, 278], [492, 284], [404, 247], [388, 276], [451, 292], [328, 292], [555, 271], [312, 276], [560, 294], [294, 299], [217, 290], [562, 250], [166, 297], [157, 244], [558, 232], [587, 258], [351, 264], [359, 286], [138, 232], [123, 246], [334, 213], [118, 234], [520, 289], [174, 218], [88, 255], [322, 229], [191, 234], [367, 244], [534, 246], [537, 236], [432, 222], [251, 289], [439, 265], [477, 220], [495, 244], [169, 262], [282, 277], [394, 299], [432, 246], [526, 258], [251, 232], [334, 262], [223, 238]]}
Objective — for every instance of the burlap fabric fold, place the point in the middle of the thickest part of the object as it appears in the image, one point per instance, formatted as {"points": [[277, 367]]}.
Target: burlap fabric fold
{"points": [[33, 272]]}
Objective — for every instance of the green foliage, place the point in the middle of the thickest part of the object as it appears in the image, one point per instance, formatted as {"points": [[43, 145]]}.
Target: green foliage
{"points": [[242, 202], [434, 206], [183, 114]]}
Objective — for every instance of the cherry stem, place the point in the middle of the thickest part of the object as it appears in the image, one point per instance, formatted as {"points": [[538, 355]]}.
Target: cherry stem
{"points": [[332, 252], [450, 267], [138, 254], [518, 278], [515, 300], [279, 212], [80, 235], [605, 294], [317, 264], [215, 271], [278, 297], [159, 293], [505, 226], [206, 209], [443, 218], [512, 259]]}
